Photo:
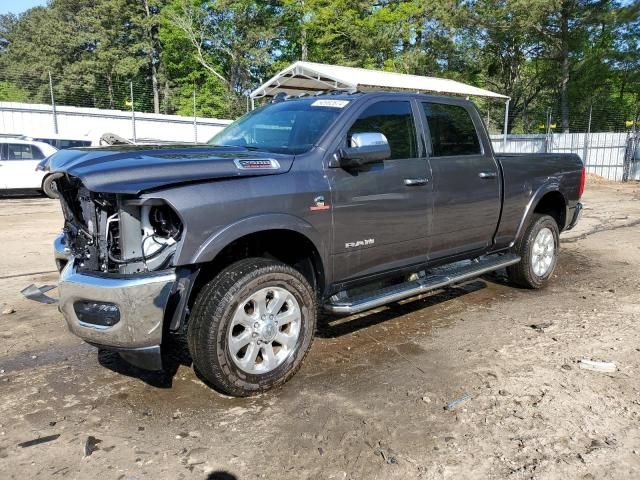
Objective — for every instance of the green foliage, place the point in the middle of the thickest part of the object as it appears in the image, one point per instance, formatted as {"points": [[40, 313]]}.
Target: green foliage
{"points": [[552, 57], [10, 92]]}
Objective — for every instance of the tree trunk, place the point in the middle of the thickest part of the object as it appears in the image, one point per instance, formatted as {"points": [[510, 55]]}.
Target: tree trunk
{"points": [[564, 60], [304, 53], [154, 67]]}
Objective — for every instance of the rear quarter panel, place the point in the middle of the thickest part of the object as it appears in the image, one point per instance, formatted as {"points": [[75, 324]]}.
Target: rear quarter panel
{"points": [[527, 178]]}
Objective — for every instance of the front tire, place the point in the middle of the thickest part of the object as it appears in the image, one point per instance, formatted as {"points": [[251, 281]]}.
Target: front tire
{"points": [[49, 186], [251, 326], [538, 248]]}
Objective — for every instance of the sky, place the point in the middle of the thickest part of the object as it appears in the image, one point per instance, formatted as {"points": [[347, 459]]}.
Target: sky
{"points": [[18, 6]]}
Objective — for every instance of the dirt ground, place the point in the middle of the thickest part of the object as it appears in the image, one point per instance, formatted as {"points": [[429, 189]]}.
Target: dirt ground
{"points": [[369, 400]]}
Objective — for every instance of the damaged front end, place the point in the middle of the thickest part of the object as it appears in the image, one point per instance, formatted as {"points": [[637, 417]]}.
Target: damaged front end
{"points": [[117, 234], [116, 277]]}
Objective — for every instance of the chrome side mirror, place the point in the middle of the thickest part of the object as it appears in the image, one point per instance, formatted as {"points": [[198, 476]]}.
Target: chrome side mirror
{"points": [[365, 148]]}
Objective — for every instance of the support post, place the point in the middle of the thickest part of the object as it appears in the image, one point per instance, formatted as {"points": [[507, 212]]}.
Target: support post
{"points": [[53, 106], [195, 118], [548, 140], [506, 124], [585, 148], [133, 113], [253, 105]]}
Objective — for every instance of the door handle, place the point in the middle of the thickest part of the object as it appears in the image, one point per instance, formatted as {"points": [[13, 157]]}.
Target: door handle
{"points": [[487, 174], [414, 182]]}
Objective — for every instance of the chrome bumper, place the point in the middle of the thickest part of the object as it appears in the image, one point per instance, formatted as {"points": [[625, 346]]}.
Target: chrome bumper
{"points": [[577, 212], [141, 300]]}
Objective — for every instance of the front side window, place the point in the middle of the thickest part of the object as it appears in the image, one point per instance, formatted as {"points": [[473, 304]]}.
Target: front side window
{"points": [[452, 130], [37, 153], [394, 119], [286, 127]]}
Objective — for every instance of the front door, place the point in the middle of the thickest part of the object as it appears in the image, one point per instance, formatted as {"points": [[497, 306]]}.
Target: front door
{"points": [[380, 210], [466, 181]]}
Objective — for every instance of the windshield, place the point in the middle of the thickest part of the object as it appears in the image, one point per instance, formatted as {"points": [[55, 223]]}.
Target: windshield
{"points": [[286, 127]]}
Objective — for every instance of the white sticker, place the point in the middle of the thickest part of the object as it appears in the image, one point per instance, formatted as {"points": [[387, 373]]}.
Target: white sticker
{"points": [[330, 103]]}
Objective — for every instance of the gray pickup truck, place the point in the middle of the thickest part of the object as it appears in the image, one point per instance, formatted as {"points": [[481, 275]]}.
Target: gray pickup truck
{"points": [[339, 202]]}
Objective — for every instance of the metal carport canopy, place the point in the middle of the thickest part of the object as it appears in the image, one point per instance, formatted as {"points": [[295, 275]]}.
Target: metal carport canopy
{"points": [[309, 77]]}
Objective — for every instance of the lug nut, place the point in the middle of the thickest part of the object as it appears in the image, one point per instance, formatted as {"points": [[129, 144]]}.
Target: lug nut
{"points": [[256, 325], [254, 334], [270, 317]]}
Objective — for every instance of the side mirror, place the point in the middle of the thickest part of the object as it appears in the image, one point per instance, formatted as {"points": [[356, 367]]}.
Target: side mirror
{"points": [[366, 148]]}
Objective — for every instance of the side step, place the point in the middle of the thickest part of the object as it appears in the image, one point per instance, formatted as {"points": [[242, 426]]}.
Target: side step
{"points": [[436, 278]]}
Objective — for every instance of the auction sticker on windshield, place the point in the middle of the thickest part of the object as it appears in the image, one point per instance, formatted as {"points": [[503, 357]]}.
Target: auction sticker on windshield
{"points": [[330, 103]]}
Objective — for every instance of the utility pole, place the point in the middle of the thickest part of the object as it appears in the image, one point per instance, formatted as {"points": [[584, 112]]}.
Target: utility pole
{"points": [[53, 106]]}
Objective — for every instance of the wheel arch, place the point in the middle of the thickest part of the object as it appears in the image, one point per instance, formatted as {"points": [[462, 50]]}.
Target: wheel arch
{"points": [[286, 238], [548, 199]]}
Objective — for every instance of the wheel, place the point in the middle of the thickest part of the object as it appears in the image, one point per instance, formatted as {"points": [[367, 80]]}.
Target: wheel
{"points": [[538, 248], [49, 186], [252, 326]]}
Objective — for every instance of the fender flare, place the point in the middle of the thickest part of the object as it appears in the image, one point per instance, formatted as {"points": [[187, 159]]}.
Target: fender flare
{"points": [[255, 224], [551, 185]]}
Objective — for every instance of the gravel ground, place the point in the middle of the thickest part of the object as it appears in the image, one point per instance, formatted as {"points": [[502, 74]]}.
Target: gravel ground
{"points": [[369, 403]]}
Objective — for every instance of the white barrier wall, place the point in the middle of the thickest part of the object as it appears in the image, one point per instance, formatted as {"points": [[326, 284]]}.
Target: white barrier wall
{"points": [[603, 153], [36, 120]]}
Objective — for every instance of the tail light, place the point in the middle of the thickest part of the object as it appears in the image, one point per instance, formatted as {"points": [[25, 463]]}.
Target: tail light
{"points": [[583, 179]]}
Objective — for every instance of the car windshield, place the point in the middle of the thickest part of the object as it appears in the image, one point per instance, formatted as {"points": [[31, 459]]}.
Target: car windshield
{"points": [[287, 127]]}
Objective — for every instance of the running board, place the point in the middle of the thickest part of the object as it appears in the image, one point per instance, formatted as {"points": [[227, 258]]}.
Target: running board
{"points": [[437, 278]]}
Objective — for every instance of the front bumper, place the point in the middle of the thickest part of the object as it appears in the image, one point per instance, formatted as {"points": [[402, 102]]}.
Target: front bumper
{"points": [[141, 300], [577, 212]]}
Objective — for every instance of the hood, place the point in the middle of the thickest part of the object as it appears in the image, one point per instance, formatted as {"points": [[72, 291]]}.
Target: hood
{"points": [[132, 169]]}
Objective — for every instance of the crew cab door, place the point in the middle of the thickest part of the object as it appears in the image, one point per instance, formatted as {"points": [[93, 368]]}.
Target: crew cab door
{"points": [[466, 180], [380, 210]]}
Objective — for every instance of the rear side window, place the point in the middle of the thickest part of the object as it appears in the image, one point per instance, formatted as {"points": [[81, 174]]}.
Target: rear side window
{"points": [[21, 151], [72, 144], [394, 119], [452, 130]]}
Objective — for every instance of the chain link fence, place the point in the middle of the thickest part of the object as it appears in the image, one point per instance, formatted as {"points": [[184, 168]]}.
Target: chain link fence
{"points": [[603, 133], [126, 106]]}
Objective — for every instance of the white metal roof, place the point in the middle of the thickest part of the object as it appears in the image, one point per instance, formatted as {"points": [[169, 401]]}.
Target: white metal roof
{"points": [[308, 77]]}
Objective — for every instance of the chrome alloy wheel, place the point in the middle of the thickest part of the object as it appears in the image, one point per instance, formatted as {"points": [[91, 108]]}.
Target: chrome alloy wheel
{"points": [[264, 330], [543, 252]]}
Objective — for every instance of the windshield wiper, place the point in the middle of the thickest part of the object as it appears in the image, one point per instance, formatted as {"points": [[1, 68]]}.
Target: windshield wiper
{"points": [[246, 147]]}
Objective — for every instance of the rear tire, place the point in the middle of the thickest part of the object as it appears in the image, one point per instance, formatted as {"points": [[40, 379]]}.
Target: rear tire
{"points": [[49, 186], [252, 326], [538, 248]]}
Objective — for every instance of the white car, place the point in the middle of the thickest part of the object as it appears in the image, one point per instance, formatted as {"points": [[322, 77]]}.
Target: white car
{"points": [[18, 162]]}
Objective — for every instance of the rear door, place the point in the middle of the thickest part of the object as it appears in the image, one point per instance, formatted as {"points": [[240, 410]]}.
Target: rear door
{"points": [[19, 166], [466, 180], [380, 211]]}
